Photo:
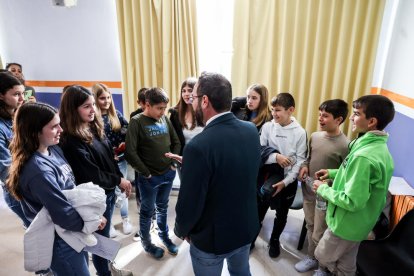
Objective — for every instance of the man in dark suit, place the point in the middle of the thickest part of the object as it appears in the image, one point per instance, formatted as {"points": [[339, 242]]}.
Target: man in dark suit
{"points": [[217, 207]]}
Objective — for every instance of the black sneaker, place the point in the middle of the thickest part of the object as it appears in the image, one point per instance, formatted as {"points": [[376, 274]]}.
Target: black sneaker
{"points": [[274, 248], [154, 251], [171, 247]]}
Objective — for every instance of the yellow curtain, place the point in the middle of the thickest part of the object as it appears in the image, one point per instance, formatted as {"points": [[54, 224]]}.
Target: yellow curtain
{"points": [[158, 41], [315, 49]]}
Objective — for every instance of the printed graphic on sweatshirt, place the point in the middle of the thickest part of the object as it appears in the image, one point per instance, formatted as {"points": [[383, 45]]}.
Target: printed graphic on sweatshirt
{"points": [[67, 174], [156, 129]]}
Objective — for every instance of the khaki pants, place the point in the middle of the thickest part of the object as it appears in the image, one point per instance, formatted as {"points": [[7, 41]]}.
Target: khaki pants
{"points": [[315, 224], [336, 254]]}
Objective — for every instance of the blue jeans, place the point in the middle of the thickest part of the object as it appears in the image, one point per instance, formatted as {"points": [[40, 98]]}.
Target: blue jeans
{"points": [[137, 193], [124, 204], [101, 264], [123, 167], [66, 261], [15, 206], [209, 264], [155, 190]]}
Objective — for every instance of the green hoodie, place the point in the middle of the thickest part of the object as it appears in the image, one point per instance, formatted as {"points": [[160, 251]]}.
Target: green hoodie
{"points": [[358, 193]]}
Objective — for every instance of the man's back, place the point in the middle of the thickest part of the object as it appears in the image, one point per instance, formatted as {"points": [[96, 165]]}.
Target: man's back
{"points": [[217, 205]]}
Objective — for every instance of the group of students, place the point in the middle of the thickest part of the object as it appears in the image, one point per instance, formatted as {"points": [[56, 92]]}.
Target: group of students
{"points": [[97, 142], [36, 171], [351, 178], [92, 149]]}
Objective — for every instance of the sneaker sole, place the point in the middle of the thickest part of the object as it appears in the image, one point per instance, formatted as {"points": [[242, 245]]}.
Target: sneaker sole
{"points": [[166, 250], [155, 258]]}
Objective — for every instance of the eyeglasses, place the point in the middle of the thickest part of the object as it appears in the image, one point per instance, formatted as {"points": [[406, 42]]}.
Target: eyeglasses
{"points": [[191, 98]]}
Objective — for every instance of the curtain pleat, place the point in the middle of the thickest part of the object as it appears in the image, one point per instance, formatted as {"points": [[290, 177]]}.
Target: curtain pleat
{"points": [[158, 41], [315, 49]]}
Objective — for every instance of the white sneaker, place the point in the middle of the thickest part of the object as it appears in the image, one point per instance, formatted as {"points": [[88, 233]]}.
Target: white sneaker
{"points": [[126, 226], [112, 232], [119, 272], [306, 264]]}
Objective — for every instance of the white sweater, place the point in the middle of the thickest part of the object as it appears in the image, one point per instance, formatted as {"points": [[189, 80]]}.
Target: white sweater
{"points": [[89, 200], [290, 141]]}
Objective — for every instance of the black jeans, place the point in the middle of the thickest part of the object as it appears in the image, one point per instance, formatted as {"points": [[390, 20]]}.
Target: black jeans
{"points": [[281, 203]]}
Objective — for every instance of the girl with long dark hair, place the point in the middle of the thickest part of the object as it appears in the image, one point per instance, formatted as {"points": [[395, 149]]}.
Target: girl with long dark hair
{"points": [[90, 154]]}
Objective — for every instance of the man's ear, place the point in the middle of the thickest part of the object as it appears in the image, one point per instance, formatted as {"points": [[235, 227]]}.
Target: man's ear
{"points": [[204, 101], [291, 109]]}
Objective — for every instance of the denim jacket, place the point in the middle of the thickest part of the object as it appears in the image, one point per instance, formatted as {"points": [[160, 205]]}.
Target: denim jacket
{"points": [[6, 135]]}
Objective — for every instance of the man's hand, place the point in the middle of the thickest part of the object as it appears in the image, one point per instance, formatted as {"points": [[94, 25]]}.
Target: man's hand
{"points": [[321, 174], [176, 157], [278, 187], [126, 186], [282, 160], [303, 173]]}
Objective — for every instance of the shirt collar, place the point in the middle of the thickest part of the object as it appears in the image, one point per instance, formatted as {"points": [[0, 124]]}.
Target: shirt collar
{"points": [[216, 116]]}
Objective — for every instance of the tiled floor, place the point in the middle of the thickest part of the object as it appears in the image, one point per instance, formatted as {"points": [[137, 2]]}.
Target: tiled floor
{"points": [[132, 257]]}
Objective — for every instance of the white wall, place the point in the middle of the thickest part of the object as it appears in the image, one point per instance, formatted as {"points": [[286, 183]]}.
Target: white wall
{"points": [[394, 63], [394, 69], [58, 43]]}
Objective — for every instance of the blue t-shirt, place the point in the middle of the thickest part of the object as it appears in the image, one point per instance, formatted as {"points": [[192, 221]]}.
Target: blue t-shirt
{"points": [[41, 183], [6, 134]]}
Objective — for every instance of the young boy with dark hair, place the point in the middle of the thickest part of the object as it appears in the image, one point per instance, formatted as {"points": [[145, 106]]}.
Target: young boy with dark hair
{"points": [[285, 135], [358, 193], [140, 102], [150, 136], [327, 149], [140, 109]]}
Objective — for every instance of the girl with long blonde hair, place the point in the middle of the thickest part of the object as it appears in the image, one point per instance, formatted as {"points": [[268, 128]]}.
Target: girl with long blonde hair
{"points": [[115, 126], [256, 109]]}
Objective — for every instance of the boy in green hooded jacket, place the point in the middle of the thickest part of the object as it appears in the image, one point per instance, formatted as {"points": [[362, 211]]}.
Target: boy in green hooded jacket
{"points": [[359, 189]]}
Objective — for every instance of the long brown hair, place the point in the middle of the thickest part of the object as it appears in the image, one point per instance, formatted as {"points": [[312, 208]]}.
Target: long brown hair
{"points": [[71, 122], [263, 111], [182, 106], [7, 82], [28, 123], [97, 90]]}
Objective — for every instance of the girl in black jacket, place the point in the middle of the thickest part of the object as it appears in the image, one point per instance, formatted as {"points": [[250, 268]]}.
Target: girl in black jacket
{"points": [[254, 107], [90, 154]]}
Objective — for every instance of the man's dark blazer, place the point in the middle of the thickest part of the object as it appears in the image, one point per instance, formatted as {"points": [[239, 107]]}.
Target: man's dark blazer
{"points": [[217, 206]]}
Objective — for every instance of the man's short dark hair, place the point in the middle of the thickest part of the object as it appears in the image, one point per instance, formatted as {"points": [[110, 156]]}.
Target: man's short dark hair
{"points": [[218, 90], [284, 99], [141, 94], [155, 96], [376, 106], [337, 107]]}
